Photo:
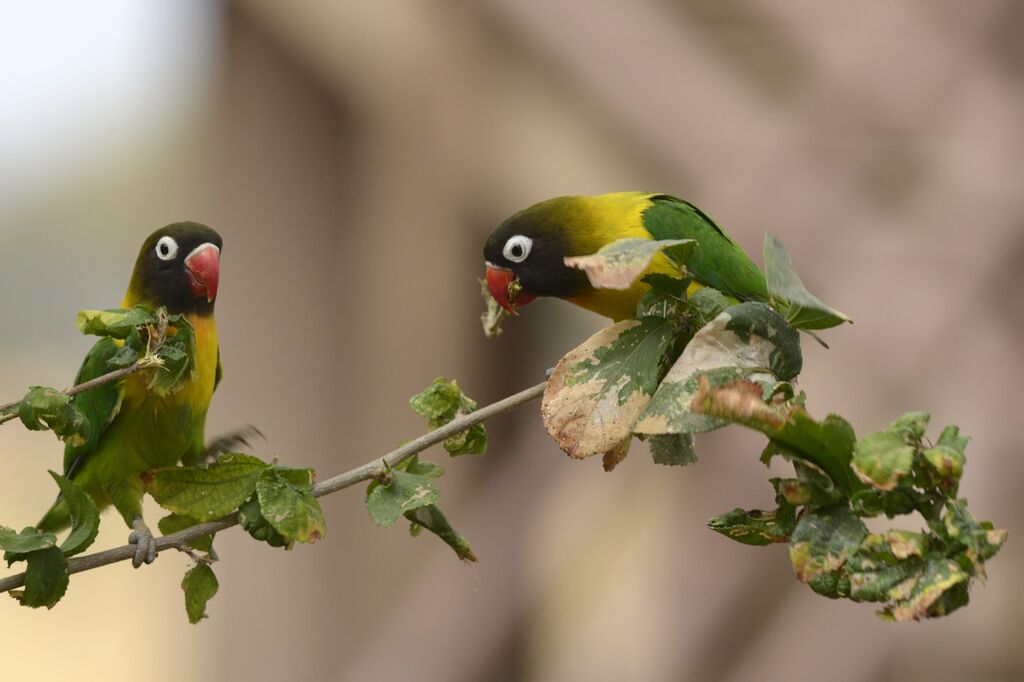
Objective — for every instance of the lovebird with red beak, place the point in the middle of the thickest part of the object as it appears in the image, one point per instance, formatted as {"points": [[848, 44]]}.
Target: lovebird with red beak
{"points": [[133, 428], [525, 255]]}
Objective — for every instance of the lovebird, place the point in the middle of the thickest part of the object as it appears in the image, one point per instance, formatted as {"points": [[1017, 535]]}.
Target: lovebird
{"points": [[528, 250], [134, 429]]}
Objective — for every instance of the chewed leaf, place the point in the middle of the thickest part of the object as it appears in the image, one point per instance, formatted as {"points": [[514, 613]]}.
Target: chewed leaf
{"points": [[117, 323], [754, 527], [619, 264], [47, 408], [804, 310], [747, 341], [442, 402], [493, 314], [597, 390]]}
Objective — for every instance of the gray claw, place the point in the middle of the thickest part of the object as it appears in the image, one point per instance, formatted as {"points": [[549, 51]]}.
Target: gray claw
{"points": [[145, 543], [548, 372]]}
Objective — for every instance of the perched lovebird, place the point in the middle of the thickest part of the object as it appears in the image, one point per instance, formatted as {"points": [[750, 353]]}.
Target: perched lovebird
{"points": [[527, 251], [133, 429]]}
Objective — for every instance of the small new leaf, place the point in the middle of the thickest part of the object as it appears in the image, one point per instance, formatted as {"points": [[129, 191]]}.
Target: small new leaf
{"points": [[404, 492], [882, 459], [200, 585], [442, 402]]}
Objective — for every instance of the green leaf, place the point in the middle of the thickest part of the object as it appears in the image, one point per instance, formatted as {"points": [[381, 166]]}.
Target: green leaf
{"points": [[404, 492], [442, 402], [666, 297], [199, 584], [747, 341], [951, 438], [206, 493], [28, 540], [85, 516], [911, 427], [618, 264], [706, 304], [289, 508], [45, 408], [754, 527], [598, 390], [820, 545], [117, 323], [947, 463], [172, 523], [925, 599], [803, 309], [46, 578], [431, 518], [176, 357], [673, 449], [250, 517], [882, 459]]}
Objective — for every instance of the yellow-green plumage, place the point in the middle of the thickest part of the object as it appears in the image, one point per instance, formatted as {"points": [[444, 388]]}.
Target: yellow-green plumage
{"points": [[582, 225], [135, 429]]}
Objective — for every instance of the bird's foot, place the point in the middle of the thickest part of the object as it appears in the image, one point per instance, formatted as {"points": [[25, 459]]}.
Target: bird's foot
{"points": [[548, 372], [145, 543], [229, 441]]}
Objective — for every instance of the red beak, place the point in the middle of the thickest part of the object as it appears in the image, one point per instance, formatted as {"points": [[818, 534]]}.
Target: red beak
{"points": [[203, 266], [500, 281]]}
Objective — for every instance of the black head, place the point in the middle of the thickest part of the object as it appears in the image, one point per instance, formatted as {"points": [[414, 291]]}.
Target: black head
{"points": [[531, 247], [179, 268]]}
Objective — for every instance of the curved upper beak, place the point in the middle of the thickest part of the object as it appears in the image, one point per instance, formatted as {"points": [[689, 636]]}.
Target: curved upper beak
{"points": [[203, 266], [506, 289]]}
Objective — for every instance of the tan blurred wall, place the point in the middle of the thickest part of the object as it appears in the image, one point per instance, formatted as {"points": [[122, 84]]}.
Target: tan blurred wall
{"points": [[355, 155]]}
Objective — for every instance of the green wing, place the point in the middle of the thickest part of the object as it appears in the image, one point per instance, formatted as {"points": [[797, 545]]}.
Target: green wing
{"points": [[100, 405], [718, 261]]}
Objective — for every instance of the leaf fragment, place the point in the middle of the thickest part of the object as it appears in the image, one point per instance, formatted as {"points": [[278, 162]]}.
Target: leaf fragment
{"points": [[619, 264], [803, 309]]}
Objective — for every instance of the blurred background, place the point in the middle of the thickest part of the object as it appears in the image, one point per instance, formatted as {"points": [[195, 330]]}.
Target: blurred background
{"points": [[354, 155]]}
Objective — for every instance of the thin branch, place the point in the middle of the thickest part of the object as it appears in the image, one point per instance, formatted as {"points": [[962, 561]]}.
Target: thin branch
{"points": [[370, 470], [82, 387]]}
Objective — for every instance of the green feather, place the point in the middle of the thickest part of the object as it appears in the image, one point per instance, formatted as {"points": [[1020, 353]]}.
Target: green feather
{"points": [[718, 261], [100, 405]]}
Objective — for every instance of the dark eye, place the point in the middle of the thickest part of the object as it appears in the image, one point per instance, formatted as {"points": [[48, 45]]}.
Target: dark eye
{"points": [[166, 248], [517, 248]]}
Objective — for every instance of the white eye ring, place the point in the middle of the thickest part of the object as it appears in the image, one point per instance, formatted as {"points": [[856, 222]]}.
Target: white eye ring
{"points": [[166, 248], [517, 248]]}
